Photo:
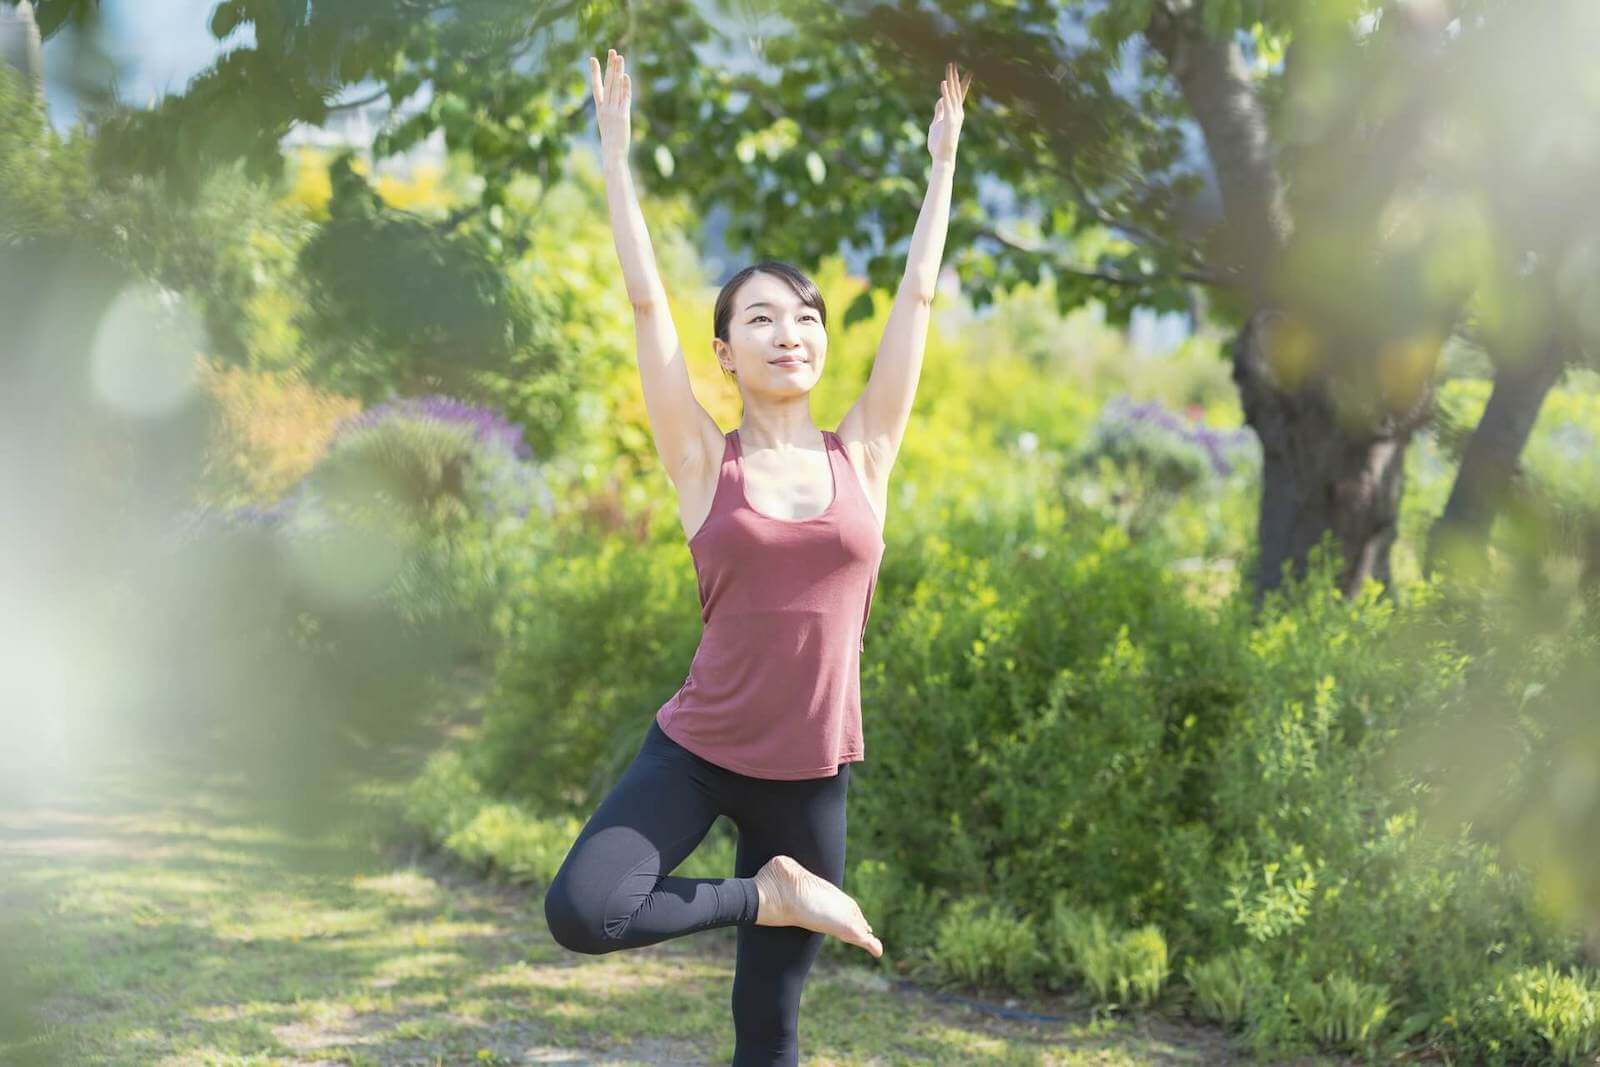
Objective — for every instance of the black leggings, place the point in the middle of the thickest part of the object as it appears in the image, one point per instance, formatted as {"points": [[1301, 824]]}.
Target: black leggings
{"points": [[612, 891]]}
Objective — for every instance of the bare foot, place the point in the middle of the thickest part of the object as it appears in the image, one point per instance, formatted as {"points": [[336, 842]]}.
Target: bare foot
{"points": [[793, 896]]}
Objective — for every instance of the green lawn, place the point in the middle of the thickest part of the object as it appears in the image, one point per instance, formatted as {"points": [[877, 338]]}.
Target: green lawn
{"points": [[168, 929]]}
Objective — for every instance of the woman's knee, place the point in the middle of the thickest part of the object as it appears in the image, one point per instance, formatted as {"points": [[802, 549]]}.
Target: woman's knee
{"points": [[575, 921]]}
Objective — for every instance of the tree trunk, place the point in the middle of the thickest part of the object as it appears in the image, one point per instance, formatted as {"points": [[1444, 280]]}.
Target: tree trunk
{"points": [[31, 50], [1490, 458], [1321, 473]]}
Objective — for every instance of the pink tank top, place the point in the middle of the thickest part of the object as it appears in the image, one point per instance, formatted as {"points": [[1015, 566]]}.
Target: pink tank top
{"points": [[774, 690]]}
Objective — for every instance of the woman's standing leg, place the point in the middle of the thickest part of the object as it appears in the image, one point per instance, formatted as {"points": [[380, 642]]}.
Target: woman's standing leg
{"points": [[804, 820], [611, 894]]}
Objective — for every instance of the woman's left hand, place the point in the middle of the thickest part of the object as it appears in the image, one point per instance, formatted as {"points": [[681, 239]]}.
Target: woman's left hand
{"points": [[947, 114]]}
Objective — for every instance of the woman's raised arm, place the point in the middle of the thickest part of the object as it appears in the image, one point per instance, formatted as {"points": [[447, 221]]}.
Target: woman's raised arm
{"points": [[682, 428], [878, 418]]}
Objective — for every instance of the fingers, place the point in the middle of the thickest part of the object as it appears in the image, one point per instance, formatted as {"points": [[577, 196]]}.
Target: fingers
{"points": [[616, 87], [954, 87]]}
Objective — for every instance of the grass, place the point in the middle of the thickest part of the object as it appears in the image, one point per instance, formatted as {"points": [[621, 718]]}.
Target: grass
{"points": [[164, 925]]}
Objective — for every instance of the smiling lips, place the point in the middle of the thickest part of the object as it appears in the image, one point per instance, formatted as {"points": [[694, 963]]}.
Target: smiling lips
{"points": [[788, 362]]}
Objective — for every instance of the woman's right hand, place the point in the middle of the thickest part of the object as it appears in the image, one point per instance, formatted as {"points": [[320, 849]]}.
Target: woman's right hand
{"points": [[611, 99]]}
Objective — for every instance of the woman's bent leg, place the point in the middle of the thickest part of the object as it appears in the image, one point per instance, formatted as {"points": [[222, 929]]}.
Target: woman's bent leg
{"points": [[806, 821], [611, 892]]}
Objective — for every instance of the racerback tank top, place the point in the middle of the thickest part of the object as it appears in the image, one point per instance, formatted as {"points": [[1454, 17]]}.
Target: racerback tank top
{"points": [[774, 690]]}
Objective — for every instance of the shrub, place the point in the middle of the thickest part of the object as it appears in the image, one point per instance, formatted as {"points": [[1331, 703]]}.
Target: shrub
{"points": [[1230, 987], [590, 645], [1342, 1012], [978, 943], [448, 804], [426, 447], [1123, 967], [1151, 458], [269, 429], [1528, 1015]]}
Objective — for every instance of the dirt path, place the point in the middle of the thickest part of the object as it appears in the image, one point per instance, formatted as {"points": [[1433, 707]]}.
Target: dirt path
{"points": [[171, 930]]}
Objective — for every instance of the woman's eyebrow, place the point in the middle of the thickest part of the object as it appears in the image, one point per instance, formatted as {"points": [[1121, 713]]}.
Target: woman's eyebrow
{"points": [[764, 304]]}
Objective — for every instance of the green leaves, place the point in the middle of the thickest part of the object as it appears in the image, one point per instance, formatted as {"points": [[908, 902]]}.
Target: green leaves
{"points": [[225, 19], [1115, 23], [859, 310]]}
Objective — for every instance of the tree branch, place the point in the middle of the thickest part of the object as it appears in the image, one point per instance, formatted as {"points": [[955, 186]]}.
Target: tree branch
{"points": [[363, 102], [1134, 280]]}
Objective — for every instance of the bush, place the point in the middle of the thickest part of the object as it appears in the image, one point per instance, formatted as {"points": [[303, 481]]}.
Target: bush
{"points": [[448, 804], [591, 644], [1118, 967], [268, 431], [1529, 1015], [1341, 1012], [978, 943], [1152, 460], [1230, 988]]}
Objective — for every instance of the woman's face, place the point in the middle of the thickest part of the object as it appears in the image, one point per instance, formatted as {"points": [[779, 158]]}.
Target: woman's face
{"points": [[775, 343]]}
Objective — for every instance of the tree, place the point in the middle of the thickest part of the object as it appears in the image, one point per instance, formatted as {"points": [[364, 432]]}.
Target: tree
{"points": [[1364, 201], [1325, 170], [29, 47]]}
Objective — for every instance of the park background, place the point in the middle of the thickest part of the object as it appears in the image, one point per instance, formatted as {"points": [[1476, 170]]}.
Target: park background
{"points": [[1229, 689]]}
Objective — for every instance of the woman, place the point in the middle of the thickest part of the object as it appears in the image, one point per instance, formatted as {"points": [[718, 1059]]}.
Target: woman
{"points": [[785, 524]]}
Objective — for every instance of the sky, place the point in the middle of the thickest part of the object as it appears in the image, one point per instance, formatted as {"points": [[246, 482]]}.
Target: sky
{"points": [[159, 45]]}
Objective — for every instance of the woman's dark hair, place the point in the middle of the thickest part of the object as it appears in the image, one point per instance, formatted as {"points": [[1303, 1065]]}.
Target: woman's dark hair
{"points": [[803, 287]]}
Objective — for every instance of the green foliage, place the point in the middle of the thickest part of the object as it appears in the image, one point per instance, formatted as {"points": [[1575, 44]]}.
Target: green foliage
{"points": [[1341, 1012], [592, 643], [977, 943], [1532, 1014], [487, 99], [1230, 987], [1121, 967], [410, 303], [448, 803]]}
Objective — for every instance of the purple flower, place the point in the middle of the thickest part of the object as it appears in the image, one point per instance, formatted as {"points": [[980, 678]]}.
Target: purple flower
{"points": [[492, 428], [1216, 444]]}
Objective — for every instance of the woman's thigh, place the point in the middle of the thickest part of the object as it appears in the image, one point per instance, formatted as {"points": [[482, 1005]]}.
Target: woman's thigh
{"points": [[652, 819]]}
